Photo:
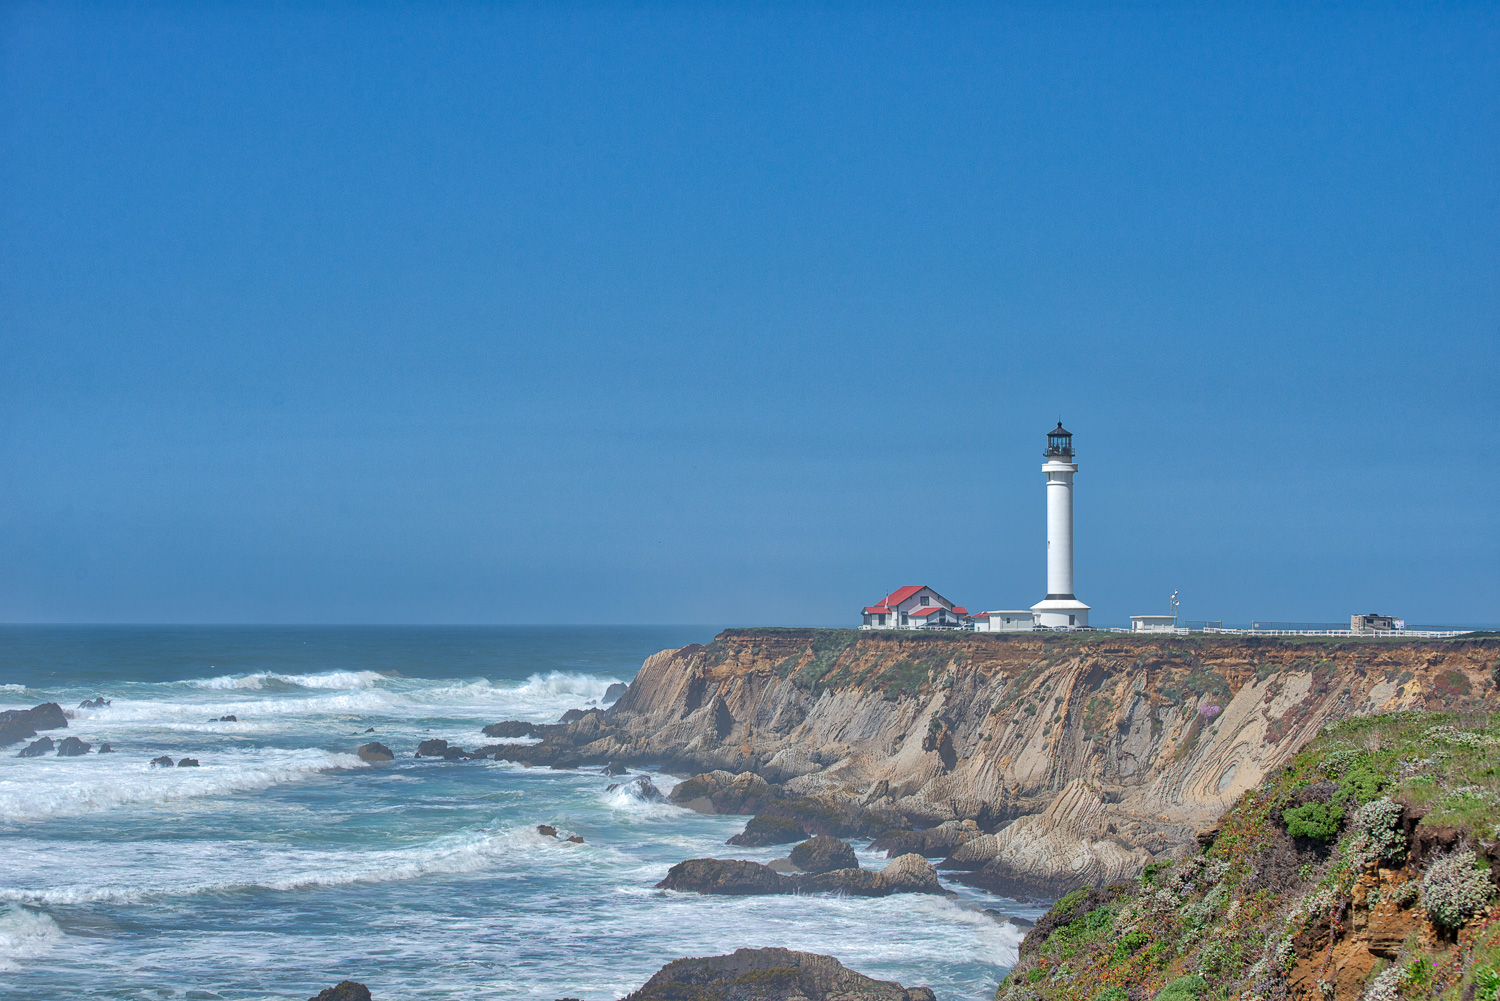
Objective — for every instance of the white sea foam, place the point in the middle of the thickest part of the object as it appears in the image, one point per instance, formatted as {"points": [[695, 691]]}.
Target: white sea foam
{"points": [[25, 935], [260, 680], [37, 788], [12, 688], [133, 872]]}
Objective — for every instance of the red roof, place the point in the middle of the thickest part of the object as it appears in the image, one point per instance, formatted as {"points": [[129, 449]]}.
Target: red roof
{"points": [[960, 610], [924, 612], [980, 615], [899, 595], [878, 610]]}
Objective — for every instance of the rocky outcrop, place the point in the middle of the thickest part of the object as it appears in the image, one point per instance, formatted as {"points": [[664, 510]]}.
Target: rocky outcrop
{"points": [[770, 975], [187, 762], [162, 762], [375, 752], [72, 747], [935, 842], [346, 990], [17, 725], [1116, 746], [37, 748], [614, 691], [640, 788], [907, 874], [98, 702], [823, 854], [510, 730]]}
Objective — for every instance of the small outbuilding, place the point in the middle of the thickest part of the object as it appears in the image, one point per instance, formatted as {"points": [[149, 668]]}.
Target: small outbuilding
{"points": [[1005, 621], [1153, 623]]}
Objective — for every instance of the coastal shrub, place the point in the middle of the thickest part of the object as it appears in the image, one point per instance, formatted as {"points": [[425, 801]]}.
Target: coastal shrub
{"points": [[1118, 993], [1387, 985], [1453, 889], [1379, 820], [1130, 943], [1189, 988], [1313, 820]]}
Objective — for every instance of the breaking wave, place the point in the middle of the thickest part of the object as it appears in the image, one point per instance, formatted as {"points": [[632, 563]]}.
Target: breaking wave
{"points": [[271, 679]]}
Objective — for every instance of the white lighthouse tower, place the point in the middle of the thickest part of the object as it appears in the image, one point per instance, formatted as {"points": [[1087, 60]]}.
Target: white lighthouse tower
{"points": [[1060, 609]]}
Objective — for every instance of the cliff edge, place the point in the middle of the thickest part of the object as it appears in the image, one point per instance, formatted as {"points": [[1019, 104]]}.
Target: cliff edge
{"points": [[1082, 754]]}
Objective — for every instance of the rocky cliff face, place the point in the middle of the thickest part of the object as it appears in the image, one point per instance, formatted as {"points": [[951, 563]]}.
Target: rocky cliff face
{"points": [[1085, 753]]}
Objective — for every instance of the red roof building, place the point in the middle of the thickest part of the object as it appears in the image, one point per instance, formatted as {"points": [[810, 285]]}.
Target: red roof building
{"points": [[915, 606]]}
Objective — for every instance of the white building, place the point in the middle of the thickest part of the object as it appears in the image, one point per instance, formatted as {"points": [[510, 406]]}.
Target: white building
{"points": [[915, 606], [1153, 623], [1061, 609], [1012, 620]]}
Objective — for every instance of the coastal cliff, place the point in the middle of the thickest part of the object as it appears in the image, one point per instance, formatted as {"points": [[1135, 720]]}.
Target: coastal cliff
{"points": [[1082, 755]]}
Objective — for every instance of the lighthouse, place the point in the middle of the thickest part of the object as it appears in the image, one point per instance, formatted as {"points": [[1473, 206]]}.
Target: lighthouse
{"points": [[1061, 609]]}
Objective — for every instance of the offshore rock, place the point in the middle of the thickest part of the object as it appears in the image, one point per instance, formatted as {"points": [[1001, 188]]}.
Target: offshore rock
{"points": [[17, 725], [935, 842], [823, 854], [37, 748], [614, 691], [346, 990], [98, 702], [725, 792], [374, 752], [187, 762], [72, 747], [770, 975], [640, 788], [510, 729], [727, 876], [162, 762], [431, 748], [908, 874], [104, 748], [764, 830]]}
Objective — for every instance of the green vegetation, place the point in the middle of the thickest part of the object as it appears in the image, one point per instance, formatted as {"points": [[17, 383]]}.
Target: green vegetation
{"points": [[1333, 835]]}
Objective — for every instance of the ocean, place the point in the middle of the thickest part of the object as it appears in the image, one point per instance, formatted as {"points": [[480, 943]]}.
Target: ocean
{"points": [[284, 864]]}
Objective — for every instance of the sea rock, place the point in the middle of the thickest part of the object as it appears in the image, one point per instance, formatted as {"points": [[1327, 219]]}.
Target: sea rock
{"points": [[72, 747], [576, 839], [770, 975], [375, 752], [37, 748], [105, 748], [615, 768], [187, 762], [639, 787], [823, 854], [574, 715], [910, 874], [724, 792], [510, 729], [455, 753], [907, 874], [935, 842], [162, 762], [614, 691], [229, 719], [346, 990], [98, 702], [431, 748], [369, 729], [17, 725], [546, 830], [727, 876], [764, 830]]}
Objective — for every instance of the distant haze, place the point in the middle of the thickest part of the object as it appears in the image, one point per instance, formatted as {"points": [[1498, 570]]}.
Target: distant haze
{"points": [[639, 314]]}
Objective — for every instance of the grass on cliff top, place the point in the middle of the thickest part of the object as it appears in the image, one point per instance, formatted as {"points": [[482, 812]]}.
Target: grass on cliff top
{"points": [[1224, 923]]}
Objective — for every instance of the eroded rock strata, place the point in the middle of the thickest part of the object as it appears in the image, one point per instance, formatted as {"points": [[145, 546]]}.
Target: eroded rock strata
{"points": [[770, 975], [1078, 757]]}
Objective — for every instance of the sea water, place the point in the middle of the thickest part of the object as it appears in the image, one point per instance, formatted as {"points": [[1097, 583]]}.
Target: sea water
{"points": [[284, 863]]}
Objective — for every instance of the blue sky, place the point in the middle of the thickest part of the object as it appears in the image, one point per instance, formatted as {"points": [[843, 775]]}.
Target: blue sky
{"points": [[745, 313]]}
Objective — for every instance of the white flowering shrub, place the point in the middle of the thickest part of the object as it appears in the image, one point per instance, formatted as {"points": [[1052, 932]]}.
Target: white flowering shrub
{"points": [[1387, 985], [1378, 822], [1453, 890]]}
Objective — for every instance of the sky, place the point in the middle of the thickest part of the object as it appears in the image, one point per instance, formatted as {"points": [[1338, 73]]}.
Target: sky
{"points": [[745, 313]]}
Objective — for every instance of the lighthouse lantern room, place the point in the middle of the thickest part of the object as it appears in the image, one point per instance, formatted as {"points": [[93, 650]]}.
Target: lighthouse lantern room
{"points": [[1061, 609]]}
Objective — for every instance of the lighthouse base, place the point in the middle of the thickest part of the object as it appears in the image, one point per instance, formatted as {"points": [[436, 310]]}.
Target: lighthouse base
{"points": [[1061, 613]]}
